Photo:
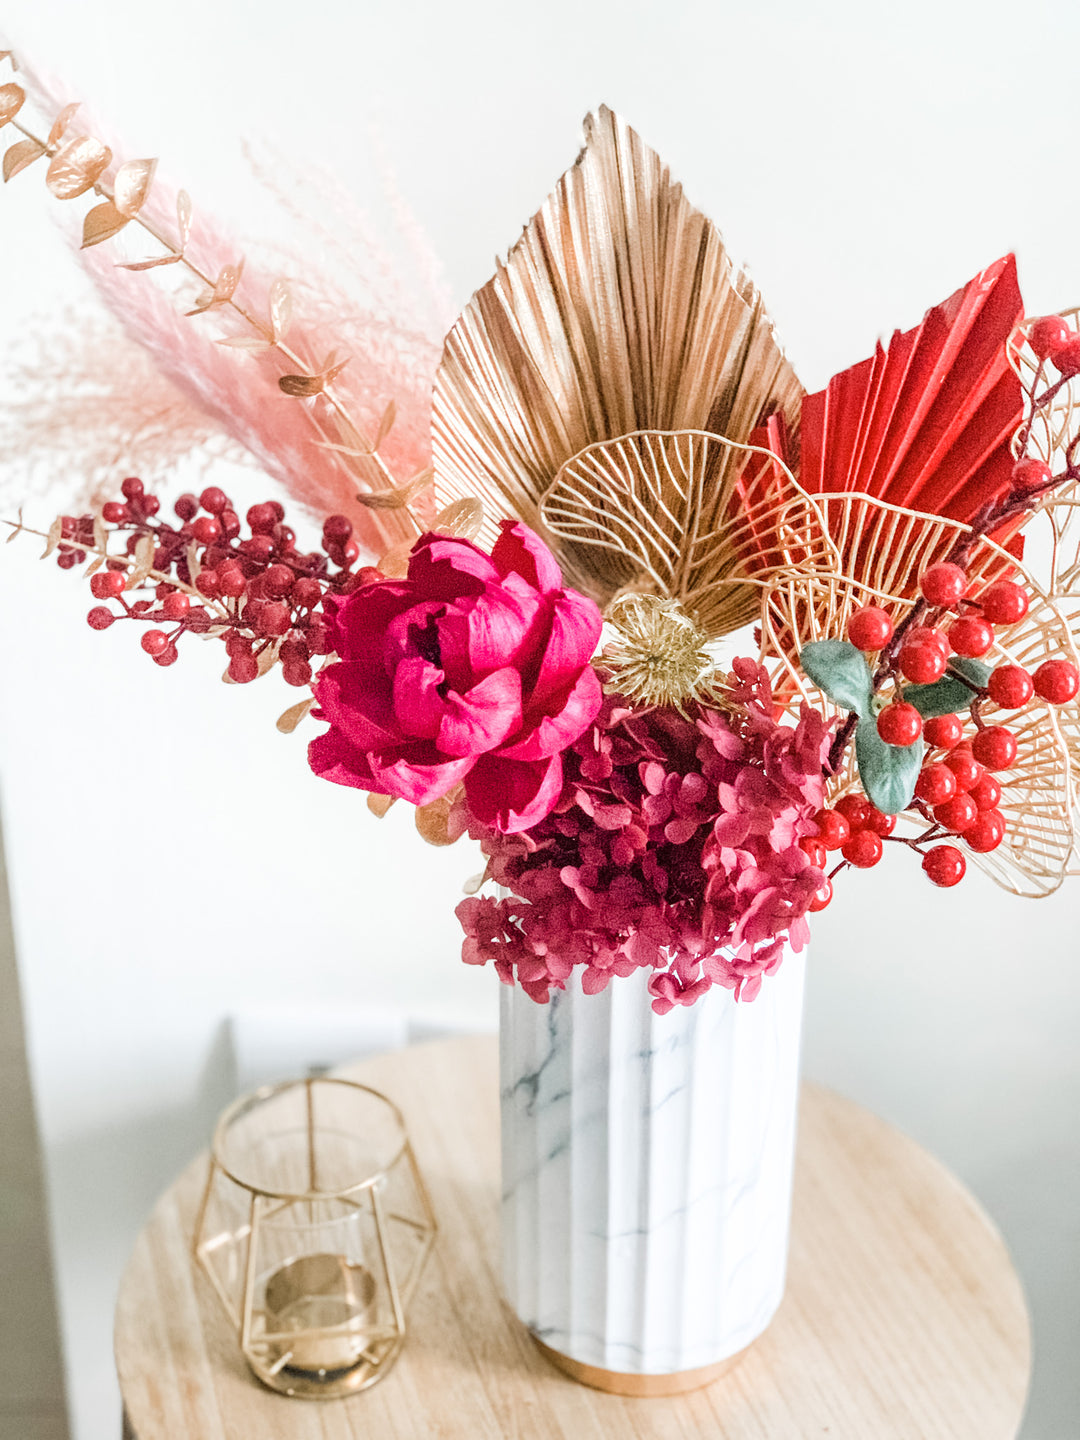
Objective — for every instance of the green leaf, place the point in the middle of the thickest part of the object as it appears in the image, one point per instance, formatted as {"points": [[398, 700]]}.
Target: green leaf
{"points": [[836, 667], [948, 696], [887, 772]]}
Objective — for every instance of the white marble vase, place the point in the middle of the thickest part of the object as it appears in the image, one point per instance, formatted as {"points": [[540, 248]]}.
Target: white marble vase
{"points": [[647, 1166]]}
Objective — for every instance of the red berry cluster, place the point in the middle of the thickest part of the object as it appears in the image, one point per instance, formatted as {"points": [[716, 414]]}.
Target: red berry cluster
{"points": [[1052, 339], [855, 828], [257, 591], [956, 792]]}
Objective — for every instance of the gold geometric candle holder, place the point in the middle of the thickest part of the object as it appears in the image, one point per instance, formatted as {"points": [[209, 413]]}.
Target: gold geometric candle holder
{"points": [[313, 1229]]}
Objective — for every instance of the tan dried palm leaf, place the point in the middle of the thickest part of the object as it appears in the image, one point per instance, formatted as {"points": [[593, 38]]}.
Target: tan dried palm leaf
{"points": [[617, 311]]}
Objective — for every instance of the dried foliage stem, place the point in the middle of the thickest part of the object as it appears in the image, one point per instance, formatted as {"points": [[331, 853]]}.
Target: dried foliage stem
{"points": [[267, 333]]}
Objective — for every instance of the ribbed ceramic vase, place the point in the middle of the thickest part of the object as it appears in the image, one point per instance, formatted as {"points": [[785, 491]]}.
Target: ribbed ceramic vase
{"points": [[647, 1169]]}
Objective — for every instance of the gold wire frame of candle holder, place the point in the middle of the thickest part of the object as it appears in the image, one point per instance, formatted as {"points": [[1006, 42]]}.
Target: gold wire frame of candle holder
{"points": [[313, 1230]]}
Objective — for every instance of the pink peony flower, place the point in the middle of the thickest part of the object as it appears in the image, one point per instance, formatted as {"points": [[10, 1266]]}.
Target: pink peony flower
{"points": [[472, 669], [673, 846]]}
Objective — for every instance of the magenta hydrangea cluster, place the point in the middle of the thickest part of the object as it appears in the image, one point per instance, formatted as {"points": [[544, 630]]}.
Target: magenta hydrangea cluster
{"points": [[674, 845]]}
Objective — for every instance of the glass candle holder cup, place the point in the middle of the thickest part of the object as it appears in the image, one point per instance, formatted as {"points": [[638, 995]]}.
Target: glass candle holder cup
{"points": [[313, 1229]]}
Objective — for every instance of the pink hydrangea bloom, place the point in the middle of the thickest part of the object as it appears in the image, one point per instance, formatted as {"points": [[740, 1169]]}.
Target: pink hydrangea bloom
{"points": [[673, 845], [472, 669]]}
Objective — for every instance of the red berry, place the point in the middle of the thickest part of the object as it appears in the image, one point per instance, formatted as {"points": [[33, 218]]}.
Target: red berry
{"points": [[168, 656], [284, 536], [966, 769], [69, 558], [1010, 686], [107, 584], [862, 849], [154, 642], [1004, 603], [944, 865], [230, 579], [337, 528], [317, 634], [956, 814], [855, 810], [131, 488], [936, 784], [294, 649], [187, 507], [833, 828], [149, 504], [259, 547], [115, 512], [814, 850], [944, 731], [943, 584], [899, 724], [214, 500], [261, 519], [987, 832], [243, 668], [971, 635], [100, 618], [869, 628], [278, 581], [1057, 681], [237, 644], [296, 672], [369, 575], [176, 605], [277, 510], [928, 635], [1029, 475], [1066, 356], [306, 593], [207, 584], [880, 823], [987, 793], [230, 524], [994, 747], [922, 664], [206, 529], [1047, 334], [274, 618], [822, 898]]}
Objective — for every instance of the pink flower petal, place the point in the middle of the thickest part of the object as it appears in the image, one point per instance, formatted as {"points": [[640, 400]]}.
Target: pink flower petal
{"points": [[483, 717], [520, 549], [575, 630], [358, 702], [409, 773], [513, 795], [418, 706], [333, 758], [445, 568], [574, 713]]}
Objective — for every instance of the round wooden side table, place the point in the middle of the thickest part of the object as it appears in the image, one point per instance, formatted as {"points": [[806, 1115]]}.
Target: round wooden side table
{"points": [[903, 1319]]}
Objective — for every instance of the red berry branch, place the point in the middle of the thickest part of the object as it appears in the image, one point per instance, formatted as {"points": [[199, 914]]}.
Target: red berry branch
{"points": [[203, 575], [956, 792]]}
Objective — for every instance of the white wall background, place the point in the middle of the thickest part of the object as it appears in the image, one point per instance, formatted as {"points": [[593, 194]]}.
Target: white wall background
{"points": [[172, 862]]}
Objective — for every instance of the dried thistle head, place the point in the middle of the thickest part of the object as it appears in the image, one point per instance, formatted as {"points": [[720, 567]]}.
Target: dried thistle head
{"points": [[659, 655]]}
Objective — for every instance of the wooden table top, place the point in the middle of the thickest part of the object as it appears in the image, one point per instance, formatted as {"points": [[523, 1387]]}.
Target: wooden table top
{"points": [[903, 1319]]}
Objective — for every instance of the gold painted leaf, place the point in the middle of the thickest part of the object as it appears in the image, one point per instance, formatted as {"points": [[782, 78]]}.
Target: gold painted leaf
{"points": [[60, 124], [18, 156], [281, 307], [291, 718], [144, 561], [332, 367], [102, 223], [250, 344], [433, 821], [151, 264], [95, 565], [132, 186], [223, 291], [12, 97], [101, 535], [193, 564], [462, 518], [301, 387], [395, 499], [386, 424], [16, 526], [618, 311], [380, 804], [52, 539], [395, 563], [183, 217], [77, 167]]}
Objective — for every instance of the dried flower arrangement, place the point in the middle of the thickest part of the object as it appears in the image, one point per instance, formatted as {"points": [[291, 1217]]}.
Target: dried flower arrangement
{"points": [[519, 627]]}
